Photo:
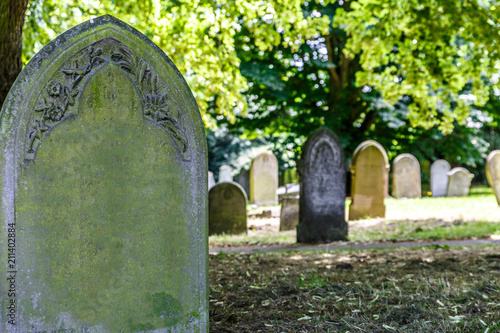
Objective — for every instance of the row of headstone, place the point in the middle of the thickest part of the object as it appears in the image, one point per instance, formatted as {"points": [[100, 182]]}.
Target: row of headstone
{"points": [[104, 189]]}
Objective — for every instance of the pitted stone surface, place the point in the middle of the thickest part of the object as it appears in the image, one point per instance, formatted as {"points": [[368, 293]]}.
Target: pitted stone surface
{"points": [[439, 177], [406, 177], [227, 209], [264, 180], [459, 181], [103, 154], [322, 190], [369, 178], [493, 172]]}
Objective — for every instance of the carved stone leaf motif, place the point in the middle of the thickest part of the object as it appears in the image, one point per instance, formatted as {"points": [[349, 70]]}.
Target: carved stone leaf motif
{"points": [[55, 100], [59, 96], [156, 106]]}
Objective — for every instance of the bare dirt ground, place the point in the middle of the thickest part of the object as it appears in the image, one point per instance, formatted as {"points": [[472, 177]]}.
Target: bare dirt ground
{"points": [[435, 289]]}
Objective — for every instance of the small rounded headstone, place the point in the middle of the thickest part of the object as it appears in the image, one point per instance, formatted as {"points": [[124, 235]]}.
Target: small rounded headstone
{"points": [[439, 177], [459, 181], [264, 180], [369, 174], [322, 190], [211, 180], [289, 217], [493, 172], [406, 177], [227, 209]]}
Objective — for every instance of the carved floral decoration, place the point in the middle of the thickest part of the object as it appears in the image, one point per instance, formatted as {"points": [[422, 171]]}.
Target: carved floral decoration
{"points": [[59, 96]]}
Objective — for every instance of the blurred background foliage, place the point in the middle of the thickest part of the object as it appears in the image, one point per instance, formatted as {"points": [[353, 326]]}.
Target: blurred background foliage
{"points": [[419, 76]]}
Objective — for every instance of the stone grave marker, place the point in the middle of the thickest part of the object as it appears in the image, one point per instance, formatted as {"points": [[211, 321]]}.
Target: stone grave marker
{"points": [[406, 177], [225, 174], [264, 180], [104, 189], [459, 180], [439, 178], [211, 180], [243, 179], [369, 175], [227, 209], [493, 172], [322, 190], [289, 217]]}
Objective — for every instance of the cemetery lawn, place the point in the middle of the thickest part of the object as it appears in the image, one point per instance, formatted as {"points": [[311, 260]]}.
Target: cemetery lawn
{"points": [[475, 216], [431, 289]]}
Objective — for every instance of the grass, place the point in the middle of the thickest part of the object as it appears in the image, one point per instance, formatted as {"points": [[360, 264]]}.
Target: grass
{"points": [[421, 290], [475, 216]]}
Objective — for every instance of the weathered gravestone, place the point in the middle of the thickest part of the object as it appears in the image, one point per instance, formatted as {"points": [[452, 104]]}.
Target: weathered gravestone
{"points": [[322, 189], [439, 177], [459, 180], [493, 172], [369, 177], [227, 209], [225, 174], [264, 180], [211, 180], [104, 189], [289, 217], [243, 179], [406, 177]]}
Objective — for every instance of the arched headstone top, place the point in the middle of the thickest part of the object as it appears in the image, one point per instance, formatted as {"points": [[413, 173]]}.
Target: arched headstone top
{"points": [[232, 188], [363, 146], [313, 147], [461, 170], [441, 163], [266, 156], [48, 91], [400, 157]]}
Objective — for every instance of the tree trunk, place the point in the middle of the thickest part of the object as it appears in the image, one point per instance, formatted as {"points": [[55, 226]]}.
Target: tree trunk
{"points": [[11, 28]]}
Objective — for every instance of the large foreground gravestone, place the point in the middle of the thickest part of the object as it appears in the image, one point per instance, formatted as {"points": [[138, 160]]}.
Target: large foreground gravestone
{"points": [[104, 189], [459, 180], [264, 180], [322, 190], [369, 177], [406, 177], [493, 172], [227, 209], [439, 177]]}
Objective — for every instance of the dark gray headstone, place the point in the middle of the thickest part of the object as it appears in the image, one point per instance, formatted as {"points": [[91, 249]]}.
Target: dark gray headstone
{"points": [[104, 189], [243, 179], [322, 190], [227, 209]]}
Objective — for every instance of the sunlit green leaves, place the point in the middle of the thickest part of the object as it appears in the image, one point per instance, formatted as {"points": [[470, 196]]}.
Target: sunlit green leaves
{"points": [[198, 35], [442, 53]]}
